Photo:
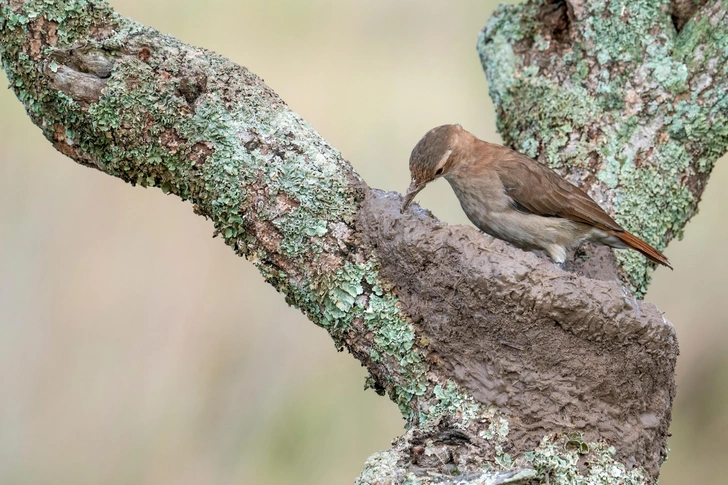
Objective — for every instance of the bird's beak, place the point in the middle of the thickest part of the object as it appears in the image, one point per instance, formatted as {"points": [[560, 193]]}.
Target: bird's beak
{"points": [[412, 190]]}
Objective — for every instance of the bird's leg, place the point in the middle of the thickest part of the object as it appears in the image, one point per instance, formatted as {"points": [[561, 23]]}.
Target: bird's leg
{"points": [[557, 253]]}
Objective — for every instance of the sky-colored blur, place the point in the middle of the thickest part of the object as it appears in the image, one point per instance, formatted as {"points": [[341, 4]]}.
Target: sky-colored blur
{"points": [[134, 348]]}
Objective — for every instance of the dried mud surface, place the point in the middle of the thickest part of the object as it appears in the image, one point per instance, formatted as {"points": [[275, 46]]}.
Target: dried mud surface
{"points": [[554, 350]]}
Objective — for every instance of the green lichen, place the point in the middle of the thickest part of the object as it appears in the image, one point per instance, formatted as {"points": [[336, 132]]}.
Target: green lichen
{"points": [[265, 172], [530, 100], [614, 39], [562, 459], [336, 300], [395, 337], [625, 57], [636, 210], [511, 477], [558, 461], [451, 400], [381, 467], [77, 18]]}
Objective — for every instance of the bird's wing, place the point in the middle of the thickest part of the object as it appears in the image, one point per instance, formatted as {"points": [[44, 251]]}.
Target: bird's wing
{"points": [[541, 191]]}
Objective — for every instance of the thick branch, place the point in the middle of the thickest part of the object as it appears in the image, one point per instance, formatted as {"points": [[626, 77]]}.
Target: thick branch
{"points": [[505, 367]]}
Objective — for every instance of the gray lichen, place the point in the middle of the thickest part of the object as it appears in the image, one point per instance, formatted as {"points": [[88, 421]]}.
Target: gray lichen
{"points": [[615, 98]]}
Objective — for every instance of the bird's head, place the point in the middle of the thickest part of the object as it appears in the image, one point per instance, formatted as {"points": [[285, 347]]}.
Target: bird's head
{"points": [[432, 158]]}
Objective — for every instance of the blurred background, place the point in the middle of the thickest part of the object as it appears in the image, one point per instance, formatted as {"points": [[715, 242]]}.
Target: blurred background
{"points": [[134, 348]]}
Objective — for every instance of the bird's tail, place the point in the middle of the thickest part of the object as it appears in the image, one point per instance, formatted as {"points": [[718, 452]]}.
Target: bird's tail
{"points": [[636, 243]]}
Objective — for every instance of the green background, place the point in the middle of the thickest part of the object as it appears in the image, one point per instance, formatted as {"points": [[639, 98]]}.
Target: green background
{"points": [[134, 348]]}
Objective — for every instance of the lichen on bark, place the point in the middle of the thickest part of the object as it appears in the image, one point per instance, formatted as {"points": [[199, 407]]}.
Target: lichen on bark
{"points": [[480, 345], [121, 98], [612, 96]]}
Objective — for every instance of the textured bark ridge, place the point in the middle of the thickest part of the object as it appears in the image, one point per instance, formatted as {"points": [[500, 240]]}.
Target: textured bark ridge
{"points": [[618, 100], [507, 369]]}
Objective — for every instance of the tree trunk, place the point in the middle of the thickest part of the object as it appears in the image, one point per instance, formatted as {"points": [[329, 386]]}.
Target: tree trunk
{"points": [[618, 100], [507, 369]]}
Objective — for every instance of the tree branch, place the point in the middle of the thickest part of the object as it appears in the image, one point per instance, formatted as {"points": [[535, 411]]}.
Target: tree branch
{"points": [[506, 368]]}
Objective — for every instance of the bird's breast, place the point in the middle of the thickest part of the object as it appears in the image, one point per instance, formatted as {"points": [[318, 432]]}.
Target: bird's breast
{"points": [[491, 210], [479, 193]]}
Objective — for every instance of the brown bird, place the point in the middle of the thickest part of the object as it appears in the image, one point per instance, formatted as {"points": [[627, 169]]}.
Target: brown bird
{"points": [[514, 198]]}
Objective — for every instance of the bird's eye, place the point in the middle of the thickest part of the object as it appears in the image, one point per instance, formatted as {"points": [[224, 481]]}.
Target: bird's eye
{"points": [[439, 171]]}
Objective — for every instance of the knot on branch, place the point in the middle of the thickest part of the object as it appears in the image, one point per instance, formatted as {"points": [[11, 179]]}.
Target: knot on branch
{"points": [[81, 73], [683, 10], [556, 17]]}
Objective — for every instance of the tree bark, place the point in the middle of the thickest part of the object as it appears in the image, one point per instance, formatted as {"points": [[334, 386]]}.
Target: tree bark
{"points": [[506, 368], [618, 100]]}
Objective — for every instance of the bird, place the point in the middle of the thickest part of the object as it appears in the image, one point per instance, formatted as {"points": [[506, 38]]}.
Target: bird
{"points": [[514, 198]]}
